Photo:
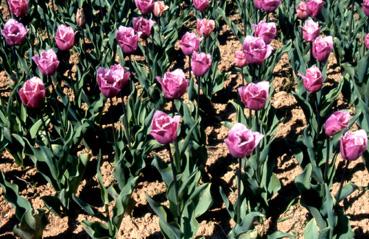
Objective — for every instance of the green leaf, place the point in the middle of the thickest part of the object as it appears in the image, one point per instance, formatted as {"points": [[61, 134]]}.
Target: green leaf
{"points": [[311, 230]]}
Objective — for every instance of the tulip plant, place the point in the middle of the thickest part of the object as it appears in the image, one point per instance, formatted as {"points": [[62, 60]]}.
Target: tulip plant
{"points": [[117, 82]]}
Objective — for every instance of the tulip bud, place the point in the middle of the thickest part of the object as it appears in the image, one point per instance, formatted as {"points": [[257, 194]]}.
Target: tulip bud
{"points": [[127, 39], [353, 144], [322, 47], [314, 7], [173, 84], [145, 6], [336, 122], [201, 5], [14, 32], [111, 81], [242, 141], [302, 10], [240, 59], [189, 43], [64, 37], [366, 41], [164, 128], [205, 26], [310, 30], [256, 50], [254, 96], [80, 17], [365, 7], [143, 26], [313, 79], [159, 8], [267, 5], [47, 62], [19, 8], [266, 30], [32, 93], [200, 63]]}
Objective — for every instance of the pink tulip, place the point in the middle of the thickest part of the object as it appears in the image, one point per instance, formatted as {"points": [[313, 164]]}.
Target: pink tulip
{"points": [[336, 122], [353, 144], [266, 30], [365, 7], [366, 41], [314, 7], [310, 30], [164, 128], [322, 47], [302, 10], [159, 8], [254, 96], [127, 39], [47, 62], [267, 5], [174, 84], [19, 8], [313, 79], [200, 5], [242, 141], [240, 59], [143, 26], [205, 26], [32, 93], [145, 6], [64, 37], [189, 43], [256, 50], [200, 63], [14, 32], [111, 81]]}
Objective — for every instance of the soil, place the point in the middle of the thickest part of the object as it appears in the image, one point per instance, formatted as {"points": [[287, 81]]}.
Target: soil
{"points": [[141, 222]]}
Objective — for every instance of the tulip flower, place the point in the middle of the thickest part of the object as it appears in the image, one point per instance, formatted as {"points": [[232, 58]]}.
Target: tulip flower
{"points": [[254, 95], [112, 80], [143, 26], [336, 122], [189, 43], [310, 30], [365, 7], [64, 37], [47, 62], [267, 5], [164, 128], [200, 63], [19, 8], [256, 50], [205, 27], [314, 7], [145, 6], [302, 10], [313, 79], [322, 47], [240, 59], [353, 144], [32, 93], [127, 39], [14, 32], [266, 30], [201, 5], [159, 8], [242, 141], [366, 41], [173, 84]]}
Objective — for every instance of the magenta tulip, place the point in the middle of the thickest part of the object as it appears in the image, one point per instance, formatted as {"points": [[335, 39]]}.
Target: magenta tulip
{"points": [[254, 95], [322, 47], [143, 25], [302, 10], [64, 37], [365, 7], [164, 128], [314, 7], [366, 41], [242, 141], [336, 122], [200, 63], [173, 84], [240, 59], [256, 50], [14, 32], [267, 5], [266, 30], [189, 43], [47, 62], [19, 8], [127, 39], [159, 8], [200, 5], [32, 93], [310, 30], [112, 80], [353, 144], [205, 27], [313, 79], [145, 6]]}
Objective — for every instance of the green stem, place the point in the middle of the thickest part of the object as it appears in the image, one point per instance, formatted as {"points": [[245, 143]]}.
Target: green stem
{"points": [[174, 171], [198, 89], [47, 134], [327, 160], [239, 199]]}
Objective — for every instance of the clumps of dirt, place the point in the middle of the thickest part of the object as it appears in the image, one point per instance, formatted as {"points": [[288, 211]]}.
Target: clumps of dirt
{"points": [[227, 52], [283, 100], [141, 227], [287, 169], [293, 220], [4, 10], [5, 84], [295, 125]]}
